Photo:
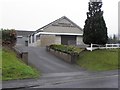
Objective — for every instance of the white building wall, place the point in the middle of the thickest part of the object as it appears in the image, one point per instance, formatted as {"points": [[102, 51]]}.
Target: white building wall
{"points": [[58, 40], [38, 43], [52, 39], [79, 40], [33, 44]]}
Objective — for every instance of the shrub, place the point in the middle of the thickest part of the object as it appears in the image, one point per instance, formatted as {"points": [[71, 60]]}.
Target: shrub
{"points": [[66, 49], [8, 37]]}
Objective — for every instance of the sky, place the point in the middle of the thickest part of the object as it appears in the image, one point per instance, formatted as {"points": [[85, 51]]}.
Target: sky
{"points": [[33, 14], [119, 19]]}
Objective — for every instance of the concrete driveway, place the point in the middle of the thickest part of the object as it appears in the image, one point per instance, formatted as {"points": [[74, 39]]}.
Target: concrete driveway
{"points": [[46, 62]]}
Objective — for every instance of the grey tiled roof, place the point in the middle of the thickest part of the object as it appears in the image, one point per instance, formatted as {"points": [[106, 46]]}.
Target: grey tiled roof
{"points": [[23, 32]]}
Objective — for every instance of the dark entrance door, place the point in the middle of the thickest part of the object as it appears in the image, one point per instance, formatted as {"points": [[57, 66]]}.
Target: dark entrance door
{"points": [[68, 40], [26, 43]]}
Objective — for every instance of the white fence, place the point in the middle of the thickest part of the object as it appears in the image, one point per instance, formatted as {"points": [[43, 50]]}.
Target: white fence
{"points": [[106, 46]]}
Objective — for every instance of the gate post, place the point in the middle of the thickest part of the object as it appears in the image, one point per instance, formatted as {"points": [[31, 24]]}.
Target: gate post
{"points": [[91, 46]]}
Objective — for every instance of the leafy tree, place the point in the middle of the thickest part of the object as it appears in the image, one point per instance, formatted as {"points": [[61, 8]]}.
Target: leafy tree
{"points": [[95, 30]]}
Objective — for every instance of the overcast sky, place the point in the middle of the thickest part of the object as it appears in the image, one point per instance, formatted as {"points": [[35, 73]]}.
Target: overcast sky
{"points": [[33, 14]]}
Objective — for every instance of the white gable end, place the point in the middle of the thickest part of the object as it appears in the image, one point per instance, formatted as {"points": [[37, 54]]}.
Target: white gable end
{"points": [[62, 25], [63, 22]]}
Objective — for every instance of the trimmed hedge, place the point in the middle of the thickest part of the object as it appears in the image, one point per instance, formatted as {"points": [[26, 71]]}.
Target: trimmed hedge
{"points": [[66, 49]]}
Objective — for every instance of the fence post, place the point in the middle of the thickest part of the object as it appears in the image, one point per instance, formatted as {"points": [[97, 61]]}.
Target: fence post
{"points": [[91, 46], [112, 45], [117, 45], [106, 46]]}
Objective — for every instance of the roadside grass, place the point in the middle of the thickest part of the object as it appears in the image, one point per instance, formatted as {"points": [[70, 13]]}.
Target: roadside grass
{"points": [[0, 64], [14, 68], [99, 60]]}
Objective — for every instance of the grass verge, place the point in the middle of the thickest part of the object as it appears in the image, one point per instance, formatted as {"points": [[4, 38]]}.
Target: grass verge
{"points": [[14, 68], [99, 60]]}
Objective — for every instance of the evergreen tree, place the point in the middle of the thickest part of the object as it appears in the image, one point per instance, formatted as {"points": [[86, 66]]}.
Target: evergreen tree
{"points": [[95, 30]]}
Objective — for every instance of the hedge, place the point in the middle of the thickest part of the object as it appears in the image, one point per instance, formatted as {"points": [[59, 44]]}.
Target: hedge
{"points": [[66, 49], [8, 37]]}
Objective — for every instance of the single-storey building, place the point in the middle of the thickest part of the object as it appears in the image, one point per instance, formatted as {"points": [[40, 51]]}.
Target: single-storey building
{"points": [[61, 31], [22, 37]]}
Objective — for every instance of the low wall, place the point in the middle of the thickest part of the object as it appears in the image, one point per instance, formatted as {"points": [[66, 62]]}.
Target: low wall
{"points": [[70, 58], [22, 54]]}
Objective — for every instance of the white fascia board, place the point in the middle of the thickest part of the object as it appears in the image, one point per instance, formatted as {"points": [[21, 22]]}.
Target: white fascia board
{"points": [[19, 36], [50, 33]]}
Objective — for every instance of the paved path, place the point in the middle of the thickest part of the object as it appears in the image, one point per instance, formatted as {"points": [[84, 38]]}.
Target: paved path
{"points": [[48, 63]]}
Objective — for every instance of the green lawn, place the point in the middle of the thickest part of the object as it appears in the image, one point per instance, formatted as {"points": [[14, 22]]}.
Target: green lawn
{"points": [[99, 60], [14, 68], [0, 64]]}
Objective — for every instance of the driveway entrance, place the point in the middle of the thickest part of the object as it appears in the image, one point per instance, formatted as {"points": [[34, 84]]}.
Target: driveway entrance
{"points": [[46, 62]]}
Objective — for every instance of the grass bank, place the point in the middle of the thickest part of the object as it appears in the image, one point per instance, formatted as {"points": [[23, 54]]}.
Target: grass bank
{"points": [[99, 60], [14, 68]]}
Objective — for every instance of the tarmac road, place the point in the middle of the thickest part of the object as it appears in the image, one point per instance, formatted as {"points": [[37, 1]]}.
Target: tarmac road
{"points": [[89, 82], [106, 79]]}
